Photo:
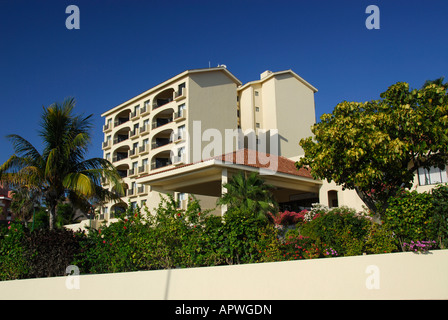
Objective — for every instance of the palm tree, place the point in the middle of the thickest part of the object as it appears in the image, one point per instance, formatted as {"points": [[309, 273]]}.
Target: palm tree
{"points": [[24, 201], [248, 192], [61, 171]]}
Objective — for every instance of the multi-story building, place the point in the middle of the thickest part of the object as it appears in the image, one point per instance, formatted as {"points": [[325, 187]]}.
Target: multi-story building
{"points": [[173, 123], [174, 138]]}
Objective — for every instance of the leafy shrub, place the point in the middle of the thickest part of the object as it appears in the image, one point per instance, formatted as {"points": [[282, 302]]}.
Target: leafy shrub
{"points": [[50, 252], [409, 216], [440, 215], [13, 264], [241, 231], [287, 218], [340, 228]]}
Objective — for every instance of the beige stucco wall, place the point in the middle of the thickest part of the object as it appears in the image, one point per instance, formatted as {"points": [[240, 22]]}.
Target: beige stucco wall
{"points": [[212, 97], [386, 276]]}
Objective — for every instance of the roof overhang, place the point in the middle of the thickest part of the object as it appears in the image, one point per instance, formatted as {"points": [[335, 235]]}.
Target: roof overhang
{"points": [[273, 74], [205, 178]]}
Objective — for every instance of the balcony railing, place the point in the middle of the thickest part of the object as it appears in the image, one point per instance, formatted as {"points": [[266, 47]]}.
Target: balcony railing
{"points": [[143, 169], [134, 133], [132, 172], [120, 121], [107, 127], [121, 138], [135, 114], [143, 149], [144, 129], [107, 144], [160, 164], [132, 153], [158, 144], [178, 116], [131, 192], [119, 156], [160, 103], [178, 160], [141, 190], [144, 110], [160, 122]]}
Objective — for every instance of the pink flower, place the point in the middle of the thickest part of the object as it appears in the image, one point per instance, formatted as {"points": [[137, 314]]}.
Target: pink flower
{"points": [[9, 227]]}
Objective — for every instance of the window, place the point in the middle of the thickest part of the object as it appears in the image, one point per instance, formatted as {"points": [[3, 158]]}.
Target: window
{"points": [[432, 176], [181, 132], [143, 203], [256, 93], [181, 197], [257, 125], [134, 204], [108, 156], [257, 109]]}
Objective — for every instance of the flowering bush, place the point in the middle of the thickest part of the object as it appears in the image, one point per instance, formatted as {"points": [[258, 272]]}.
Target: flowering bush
{"points": [[419, 246], [287, 218]]}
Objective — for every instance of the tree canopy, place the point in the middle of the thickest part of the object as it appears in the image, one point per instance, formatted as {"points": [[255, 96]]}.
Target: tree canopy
{"points": [[375, 147], [61, 170]]}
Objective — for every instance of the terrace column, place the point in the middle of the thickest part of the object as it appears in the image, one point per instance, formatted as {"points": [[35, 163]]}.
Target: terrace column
{"points": [[223, 190]]}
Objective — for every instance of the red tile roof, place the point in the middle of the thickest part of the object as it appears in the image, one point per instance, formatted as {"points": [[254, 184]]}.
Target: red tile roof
{"points": [[252, 158]]}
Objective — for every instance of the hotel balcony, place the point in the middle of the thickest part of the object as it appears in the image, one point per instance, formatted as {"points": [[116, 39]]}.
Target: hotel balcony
{"points": [[178, 160], [160, 162], [179, 116], [142, 190], [132, 172], [180, 94], [120, 156], [143, 149], [143, 169], [133, 153], [163, 98], [135, 114], [107, 127], [144, 110], [134, 134], [107, 144], [132, 192], [120, 138], [144, 130]]}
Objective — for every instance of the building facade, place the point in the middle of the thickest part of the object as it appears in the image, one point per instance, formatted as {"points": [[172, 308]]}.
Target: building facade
{"points": [[171, 139], [174, 123]]}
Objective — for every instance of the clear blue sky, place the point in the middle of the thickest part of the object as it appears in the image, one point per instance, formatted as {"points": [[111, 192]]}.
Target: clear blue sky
{"points": [[126, 47]]}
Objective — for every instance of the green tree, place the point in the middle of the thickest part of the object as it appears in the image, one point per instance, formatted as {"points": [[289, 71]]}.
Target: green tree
{"points": [[248, 192], [61, 170], [24, 202], [375, 147]]}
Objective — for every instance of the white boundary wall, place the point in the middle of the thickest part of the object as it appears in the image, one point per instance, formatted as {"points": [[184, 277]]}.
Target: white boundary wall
{"points": [[386, 276]]}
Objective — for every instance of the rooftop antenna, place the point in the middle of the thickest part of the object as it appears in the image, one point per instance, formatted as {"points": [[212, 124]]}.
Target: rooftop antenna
{"points": [[209, 64]]}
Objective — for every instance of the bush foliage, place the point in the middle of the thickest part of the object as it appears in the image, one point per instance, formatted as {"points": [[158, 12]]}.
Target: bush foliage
{"points": [[171, 237]]}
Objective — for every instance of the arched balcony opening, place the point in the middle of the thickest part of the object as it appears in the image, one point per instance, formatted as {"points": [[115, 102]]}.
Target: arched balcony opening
{"points": [[120, 154], [164, 97], [122, 117], [121, 135], [160, 160], [162, 139], [123, 170], [162, 118]]}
